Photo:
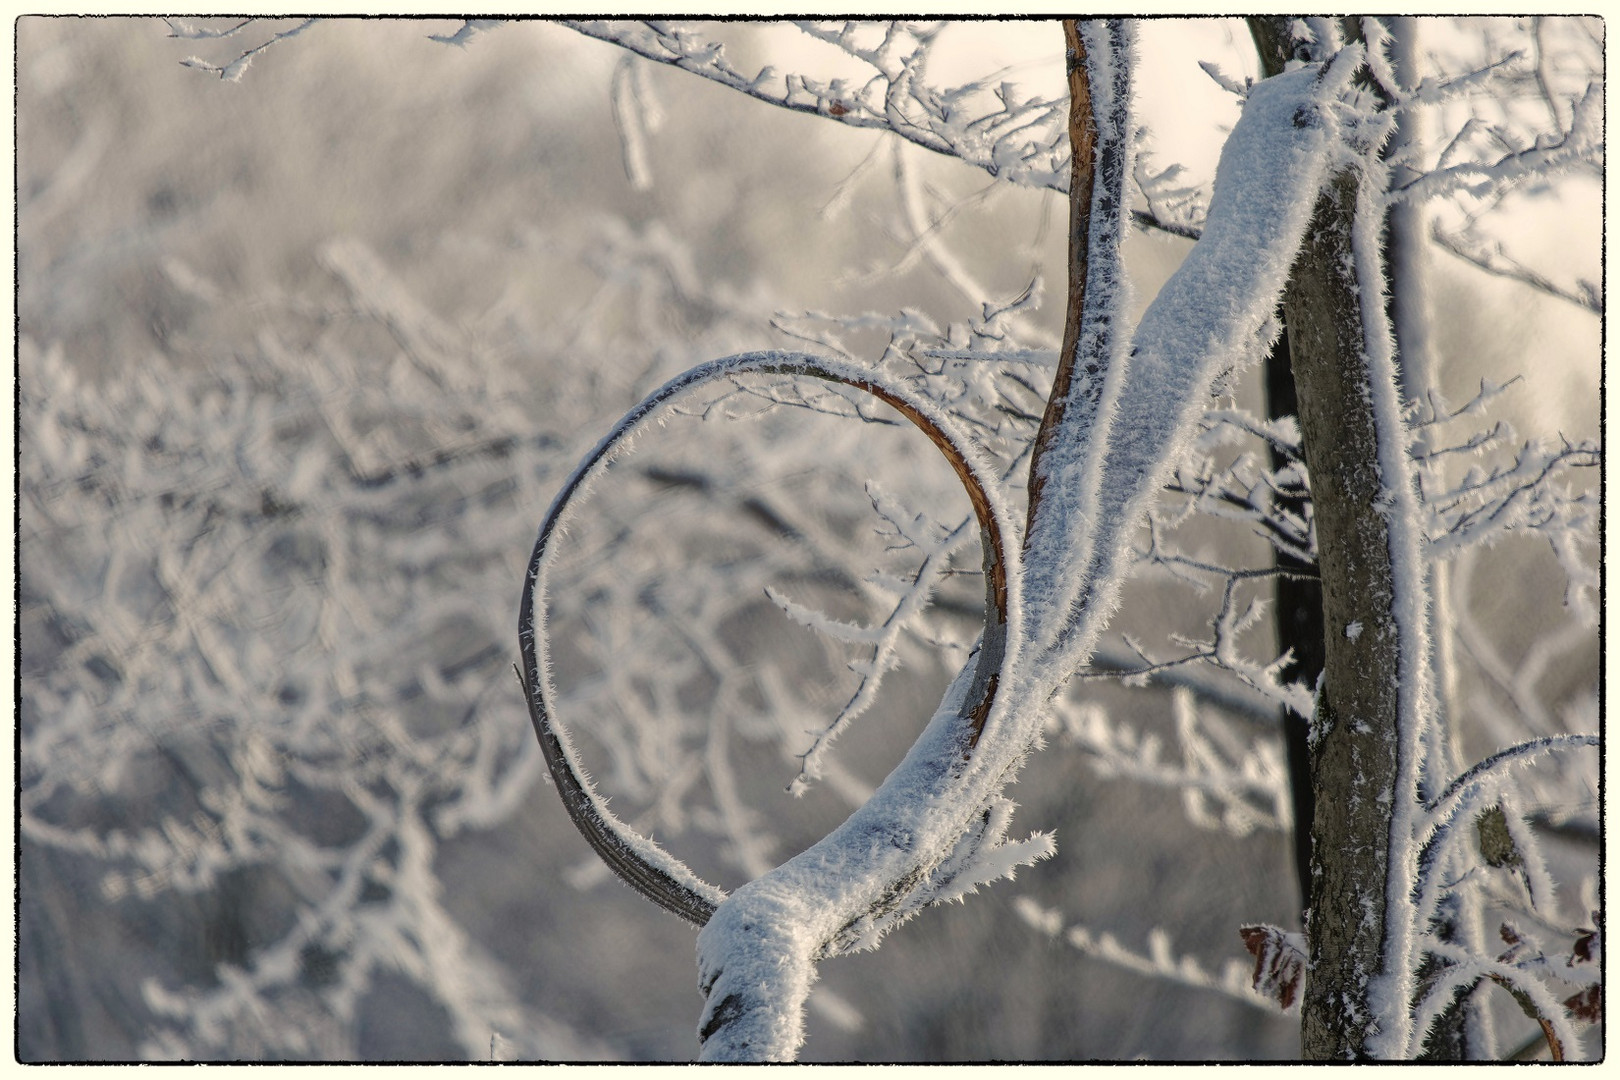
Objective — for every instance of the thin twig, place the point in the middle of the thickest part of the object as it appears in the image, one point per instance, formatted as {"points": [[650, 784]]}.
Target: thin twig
{"points": [[1496, 262]]}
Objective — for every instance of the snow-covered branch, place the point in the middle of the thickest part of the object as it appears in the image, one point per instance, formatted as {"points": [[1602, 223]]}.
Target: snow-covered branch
{"points": [[1447, 803], [268, 539], [1159, 961], [989, 125], [883, 638], [233, 70], [1491, 258], [644, 865], [1213, 317], [757, 959], [216, 537], [1246, 790], [1579, 144]]}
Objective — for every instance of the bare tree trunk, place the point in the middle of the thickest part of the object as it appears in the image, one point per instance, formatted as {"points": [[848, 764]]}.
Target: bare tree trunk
{"points": [[1353, 738], [1353, 733]]}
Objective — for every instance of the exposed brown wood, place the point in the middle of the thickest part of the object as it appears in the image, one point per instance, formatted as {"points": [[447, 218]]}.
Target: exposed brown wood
{"points": [[1082, 178]]}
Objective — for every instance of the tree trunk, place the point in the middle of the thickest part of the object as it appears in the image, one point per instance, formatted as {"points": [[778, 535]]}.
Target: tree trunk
{"points": [[1299, 627], [1353, 732], [1352, 739]]}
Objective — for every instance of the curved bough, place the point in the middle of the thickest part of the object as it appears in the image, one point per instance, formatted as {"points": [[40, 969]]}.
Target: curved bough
{"points": [[641, 863]]}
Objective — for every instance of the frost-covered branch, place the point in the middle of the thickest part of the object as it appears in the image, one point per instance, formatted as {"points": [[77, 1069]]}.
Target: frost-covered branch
{"points": [[1527, 495], [1222, 649], [1246, 490], [1447, 802], [262, 682], [1488, 502], [911, 598], [991, 126], [216, 536], [1494, 260], [1172, 207], [757, 962], [1579, 144], [1158, 962], [1094, 333], [1150, 401], [1247, 793], [234, 69], [644, 865]]}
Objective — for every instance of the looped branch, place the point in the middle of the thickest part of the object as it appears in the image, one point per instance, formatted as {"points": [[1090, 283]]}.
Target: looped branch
{"points": [[642, 864]]}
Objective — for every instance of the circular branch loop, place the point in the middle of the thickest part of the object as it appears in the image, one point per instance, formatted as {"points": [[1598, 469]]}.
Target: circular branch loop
{"points": [[641, 863]]}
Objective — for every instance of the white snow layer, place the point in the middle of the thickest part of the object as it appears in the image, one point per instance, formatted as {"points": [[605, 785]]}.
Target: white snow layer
{"points": [[1214, 316]]}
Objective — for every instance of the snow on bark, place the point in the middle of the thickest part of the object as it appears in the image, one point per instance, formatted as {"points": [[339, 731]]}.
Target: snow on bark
{"points": [[1391, 991], [903, 849], [1215, 316], [1087, 384]]}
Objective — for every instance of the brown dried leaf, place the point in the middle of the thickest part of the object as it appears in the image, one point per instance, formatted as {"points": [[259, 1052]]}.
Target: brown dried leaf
{"points": [[1587, 1005], [1589, 946], [1279, 962], [1515, 943]]}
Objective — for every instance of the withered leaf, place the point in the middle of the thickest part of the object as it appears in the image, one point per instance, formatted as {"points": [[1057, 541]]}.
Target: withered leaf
{"points": [[1279, 962]]}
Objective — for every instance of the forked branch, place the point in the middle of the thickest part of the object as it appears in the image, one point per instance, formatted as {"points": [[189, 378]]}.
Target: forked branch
{"points": [[937, 825]]}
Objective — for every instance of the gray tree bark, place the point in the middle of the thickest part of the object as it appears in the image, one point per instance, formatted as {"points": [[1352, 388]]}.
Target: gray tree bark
{"points": [[1353, 734]]}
